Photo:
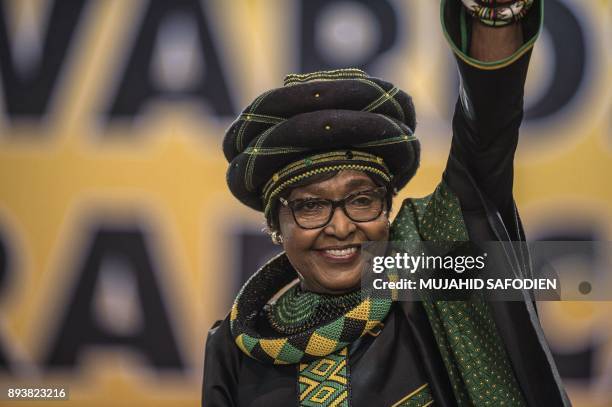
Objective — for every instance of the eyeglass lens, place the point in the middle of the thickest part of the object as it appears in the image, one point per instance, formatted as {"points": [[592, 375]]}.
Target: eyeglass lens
{"points": [[361, 207]]}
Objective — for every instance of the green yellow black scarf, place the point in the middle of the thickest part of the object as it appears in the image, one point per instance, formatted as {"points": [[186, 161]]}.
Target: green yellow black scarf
{"points": [[320, 350]]}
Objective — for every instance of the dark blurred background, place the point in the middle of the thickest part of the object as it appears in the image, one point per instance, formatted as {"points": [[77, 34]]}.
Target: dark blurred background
{"points": [[120, 244]]}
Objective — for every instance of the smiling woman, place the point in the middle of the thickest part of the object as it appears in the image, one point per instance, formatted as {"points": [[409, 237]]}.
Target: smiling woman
{"points": [[322, 158], [327, 256]]}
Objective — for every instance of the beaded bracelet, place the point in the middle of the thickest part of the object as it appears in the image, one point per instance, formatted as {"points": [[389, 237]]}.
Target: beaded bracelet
{"points": [[495, 14], [493, 3]]}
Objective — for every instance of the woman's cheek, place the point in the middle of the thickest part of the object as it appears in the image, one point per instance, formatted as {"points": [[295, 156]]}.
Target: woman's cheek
{"points": [[379, 230]]}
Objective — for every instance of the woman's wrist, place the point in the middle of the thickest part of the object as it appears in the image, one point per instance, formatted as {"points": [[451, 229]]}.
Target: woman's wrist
{"points": [[490, 44]]}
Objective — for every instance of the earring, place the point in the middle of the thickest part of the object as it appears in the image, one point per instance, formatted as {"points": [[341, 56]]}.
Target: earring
{"points": [[277, 238]]}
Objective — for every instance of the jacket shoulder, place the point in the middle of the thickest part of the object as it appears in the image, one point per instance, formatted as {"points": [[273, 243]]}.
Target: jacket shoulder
{"points": [[221, 366]]}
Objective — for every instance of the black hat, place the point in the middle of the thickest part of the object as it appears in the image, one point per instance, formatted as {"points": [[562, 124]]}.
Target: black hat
{"points": [[319, 122]]}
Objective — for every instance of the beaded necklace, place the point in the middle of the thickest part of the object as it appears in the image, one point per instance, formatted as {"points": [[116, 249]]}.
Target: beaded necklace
{"points": [[297, 310]]}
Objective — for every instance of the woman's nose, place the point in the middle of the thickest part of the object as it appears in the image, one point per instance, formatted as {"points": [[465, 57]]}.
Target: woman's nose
{"points": [[340, 225]]}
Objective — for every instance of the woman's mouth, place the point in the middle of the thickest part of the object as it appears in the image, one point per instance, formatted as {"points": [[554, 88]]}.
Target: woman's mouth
{"points": [[340, 255]]}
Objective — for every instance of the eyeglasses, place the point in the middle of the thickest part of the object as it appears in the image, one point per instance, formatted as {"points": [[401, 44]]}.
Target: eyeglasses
{"points": [[313, 213]]}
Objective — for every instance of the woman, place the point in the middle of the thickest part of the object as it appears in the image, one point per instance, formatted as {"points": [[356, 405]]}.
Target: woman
{"points": [[322, 157]]}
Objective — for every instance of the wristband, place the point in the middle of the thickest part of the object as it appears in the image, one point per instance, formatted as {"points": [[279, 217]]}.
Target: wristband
{"points": [[495, 14]]}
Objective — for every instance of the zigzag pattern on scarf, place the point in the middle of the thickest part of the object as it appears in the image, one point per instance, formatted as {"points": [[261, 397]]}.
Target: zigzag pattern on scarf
{"points": [[324, 382]]}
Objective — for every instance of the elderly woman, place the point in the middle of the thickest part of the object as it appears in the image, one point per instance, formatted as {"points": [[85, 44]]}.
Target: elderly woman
{"points": [[322, 158]]}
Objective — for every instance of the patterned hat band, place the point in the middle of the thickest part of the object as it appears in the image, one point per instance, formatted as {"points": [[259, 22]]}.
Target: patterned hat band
{"points": [[321, 164]]}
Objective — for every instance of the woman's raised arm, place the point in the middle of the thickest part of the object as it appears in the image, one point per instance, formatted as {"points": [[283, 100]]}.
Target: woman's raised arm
{"points": [[493, 67]]}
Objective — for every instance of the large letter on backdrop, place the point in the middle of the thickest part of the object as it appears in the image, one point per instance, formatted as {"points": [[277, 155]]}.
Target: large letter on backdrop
{"points": [[138, 86], [116, 302], [27, 94], [340, 33]]}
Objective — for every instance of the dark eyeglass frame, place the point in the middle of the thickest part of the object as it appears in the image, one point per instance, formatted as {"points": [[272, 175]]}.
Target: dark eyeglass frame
{"points": [[341, 203]]}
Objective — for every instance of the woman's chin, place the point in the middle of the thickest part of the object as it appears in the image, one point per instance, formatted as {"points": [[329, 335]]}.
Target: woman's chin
{"points": [[340, 284]]}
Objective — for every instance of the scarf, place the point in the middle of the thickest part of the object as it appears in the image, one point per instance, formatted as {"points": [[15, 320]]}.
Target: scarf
{"points": [[313, 331], [472, 350]]}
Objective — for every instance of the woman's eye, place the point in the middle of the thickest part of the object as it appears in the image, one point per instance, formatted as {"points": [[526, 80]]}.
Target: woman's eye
{"points": [[362, 200], [309, 205]]}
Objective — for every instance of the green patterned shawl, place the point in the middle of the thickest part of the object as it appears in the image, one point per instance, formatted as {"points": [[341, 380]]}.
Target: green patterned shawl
{"points": [[472, 350]]}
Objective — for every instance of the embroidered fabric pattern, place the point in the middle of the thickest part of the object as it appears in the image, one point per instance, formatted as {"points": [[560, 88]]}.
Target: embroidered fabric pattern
{"points": [[420, 397], [297, 311], [324, 382], [322, 170], [345, 73], [320, 352], [477, 363], [314, 343]]}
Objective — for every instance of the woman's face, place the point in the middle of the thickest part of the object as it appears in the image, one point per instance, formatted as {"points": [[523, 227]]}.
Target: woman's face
{"points": [[317, 254]]}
